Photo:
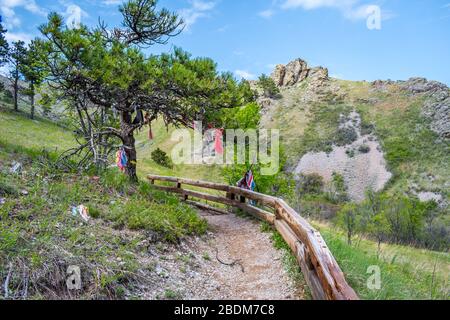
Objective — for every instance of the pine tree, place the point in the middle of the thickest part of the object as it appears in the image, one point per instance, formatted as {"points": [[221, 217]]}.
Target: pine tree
{"points": [[268, 85], [33, 70], [100, 72], [4, 47], [16, 58]]}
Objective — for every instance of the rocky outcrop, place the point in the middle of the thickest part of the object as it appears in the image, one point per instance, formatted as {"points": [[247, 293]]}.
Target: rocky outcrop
{"points": [[437, 108], [288, 75], [437, 105], [318, 76], [437, 100], [422, 85]]}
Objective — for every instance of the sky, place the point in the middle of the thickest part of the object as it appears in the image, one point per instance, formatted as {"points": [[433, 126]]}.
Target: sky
{"points": [[354, 39]]}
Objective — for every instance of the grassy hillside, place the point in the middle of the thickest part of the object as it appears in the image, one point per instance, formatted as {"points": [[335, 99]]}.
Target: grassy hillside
{"points": [[162, 140], [413, 151], [406, 273], [40, 237], [41, 134]]}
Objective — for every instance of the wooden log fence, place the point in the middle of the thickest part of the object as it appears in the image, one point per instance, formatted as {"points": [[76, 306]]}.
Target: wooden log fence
{"points": [[321, 271]]}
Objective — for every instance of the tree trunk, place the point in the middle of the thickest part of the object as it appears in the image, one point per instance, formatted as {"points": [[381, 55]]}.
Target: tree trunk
{"points": [[32, 99], [129, 144], [16, 92]]}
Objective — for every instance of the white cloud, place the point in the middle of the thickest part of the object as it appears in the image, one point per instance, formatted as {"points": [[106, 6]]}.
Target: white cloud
{"points": [[350, 9], [198, 9], [266, 13], [25, 37], [245, 74], [73, 16], [112, 2], [7, 11], [314, 4]]}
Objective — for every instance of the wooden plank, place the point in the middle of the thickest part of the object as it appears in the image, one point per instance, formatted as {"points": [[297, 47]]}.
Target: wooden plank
{"points": [[256, 212], [301, 255], [206, 196], [206, 207], [168, 189], [260, 197], [328, 271], [256, 196], [190, 182]]}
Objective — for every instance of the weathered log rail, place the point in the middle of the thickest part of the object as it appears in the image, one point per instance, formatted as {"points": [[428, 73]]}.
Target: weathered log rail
{"points": [[321, 271]]}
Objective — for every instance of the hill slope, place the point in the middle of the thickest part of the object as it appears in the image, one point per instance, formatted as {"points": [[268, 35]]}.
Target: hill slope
{"points": [[371, 133]]}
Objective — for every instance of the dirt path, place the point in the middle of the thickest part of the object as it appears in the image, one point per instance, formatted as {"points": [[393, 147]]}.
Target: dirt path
{"points": [[256, 270]]}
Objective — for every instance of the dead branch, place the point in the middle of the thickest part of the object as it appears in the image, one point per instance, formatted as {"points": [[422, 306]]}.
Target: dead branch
{"points": [[231, 264]]}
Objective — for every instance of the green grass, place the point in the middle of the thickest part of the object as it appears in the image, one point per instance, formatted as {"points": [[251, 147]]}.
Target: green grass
{"points": [[25, 136], [38, 232], [406, 273], [20, 132], [162, 140]]}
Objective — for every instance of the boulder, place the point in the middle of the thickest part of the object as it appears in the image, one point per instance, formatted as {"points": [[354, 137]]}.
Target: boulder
{"points": [[288, 75], [437, 109], [422, 85]]}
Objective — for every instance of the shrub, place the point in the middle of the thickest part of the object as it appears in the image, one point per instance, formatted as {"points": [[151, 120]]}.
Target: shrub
{"points": [[364, 148], [350, 153], [367, 129], [6, 188], [398, 151], [337, 189], [8, 97], [310, 184], [161, 158], [348, 219], [346, 136], [269, 87]]}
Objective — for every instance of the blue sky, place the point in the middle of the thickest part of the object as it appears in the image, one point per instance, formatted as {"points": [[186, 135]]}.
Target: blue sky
{"points": [[249, 37]]}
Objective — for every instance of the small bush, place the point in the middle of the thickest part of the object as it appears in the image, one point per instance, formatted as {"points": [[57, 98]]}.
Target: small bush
{"points": [[367, 128], [310, 184], [94, 212], [337, 190], [7, 188], [346, 136], [398, 151], [364, 149], [161, 158], [269, 87], [350, 153], [8, 97]]}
